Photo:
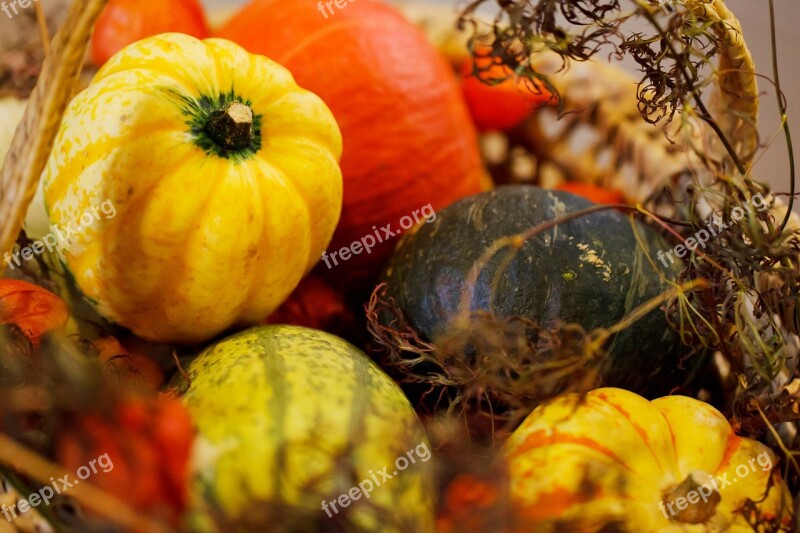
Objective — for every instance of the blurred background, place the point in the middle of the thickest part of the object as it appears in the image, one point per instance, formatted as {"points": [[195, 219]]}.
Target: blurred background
{"points": [[754, 16], [772, 166]]}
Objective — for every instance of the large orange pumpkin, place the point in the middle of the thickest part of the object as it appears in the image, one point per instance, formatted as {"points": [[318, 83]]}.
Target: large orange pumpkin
{"points": [[408, 137]]}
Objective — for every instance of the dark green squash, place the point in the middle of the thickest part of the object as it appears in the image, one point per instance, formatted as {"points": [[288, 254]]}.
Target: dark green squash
{"points": [[589, 270]]}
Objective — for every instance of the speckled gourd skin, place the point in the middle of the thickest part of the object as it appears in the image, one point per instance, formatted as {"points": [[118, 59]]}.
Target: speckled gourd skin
{"points": [[275, 406], [589, 270]]}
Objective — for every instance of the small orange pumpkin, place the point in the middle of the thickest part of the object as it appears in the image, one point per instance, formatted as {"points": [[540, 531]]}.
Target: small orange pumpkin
{"points": [[496, 97], [124, 22]]}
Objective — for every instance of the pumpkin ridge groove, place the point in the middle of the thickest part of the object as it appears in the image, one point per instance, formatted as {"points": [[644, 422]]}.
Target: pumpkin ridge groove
{"points": [[533, 442], [733, 444], [278, 173], [274, 374], [287, 56], [639, 430]]}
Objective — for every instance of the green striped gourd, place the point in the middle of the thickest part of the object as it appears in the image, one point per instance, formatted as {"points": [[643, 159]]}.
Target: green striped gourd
{"points": [[289, 416]]}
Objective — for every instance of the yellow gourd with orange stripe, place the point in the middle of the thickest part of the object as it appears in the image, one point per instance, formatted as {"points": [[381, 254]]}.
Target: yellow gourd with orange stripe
{"points": [[224, 177], [612, 457]]}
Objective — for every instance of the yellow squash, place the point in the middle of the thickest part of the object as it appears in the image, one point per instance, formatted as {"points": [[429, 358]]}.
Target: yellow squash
{"points": [[670, 465], [198, 183], [297, 419]]}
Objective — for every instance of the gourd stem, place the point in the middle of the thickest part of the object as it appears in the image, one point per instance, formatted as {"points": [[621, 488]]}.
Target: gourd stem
{"points": [[694, 501], [231, 127]]}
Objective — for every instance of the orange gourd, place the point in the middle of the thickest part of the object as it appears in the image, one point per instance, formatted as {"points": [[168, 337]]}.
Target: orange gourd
{"points": [[496, 97], [124, 22], [408, 137]]}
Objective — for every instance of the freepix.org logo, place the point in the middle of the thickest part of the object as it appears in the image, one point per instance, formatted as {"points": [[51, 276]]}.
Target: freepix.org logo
{"points": [[368, 242], [12, 8], [59, 486], [59, 237], [713, 228]]}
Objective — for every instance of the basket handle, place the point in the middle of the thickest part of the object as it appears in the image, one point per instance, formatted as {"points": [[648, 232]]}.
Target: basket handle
{"points": [[34, 137], [736, 101]]}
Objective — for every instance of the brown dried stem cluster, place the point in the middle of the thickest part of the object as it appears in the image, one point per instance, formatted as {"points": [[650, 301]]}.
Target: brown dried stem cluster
{"points": [[487, 370]]}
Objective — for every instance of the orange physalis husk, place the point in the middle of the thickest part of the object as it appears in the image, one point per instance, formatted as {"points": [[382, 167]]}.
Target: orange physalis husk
{"points": [[148, 442], [33, 309]]}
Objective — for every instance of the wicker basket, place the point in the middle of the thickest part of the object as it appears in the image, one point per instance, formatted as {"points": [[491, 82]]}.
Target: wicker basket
{"points": [[602, 138]]}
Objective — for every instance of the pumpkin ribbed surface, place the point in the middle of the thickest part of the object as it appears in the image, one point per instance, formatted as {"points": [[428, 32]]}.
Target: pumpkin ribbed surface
{"points": [[614, 457], [209, 231]]}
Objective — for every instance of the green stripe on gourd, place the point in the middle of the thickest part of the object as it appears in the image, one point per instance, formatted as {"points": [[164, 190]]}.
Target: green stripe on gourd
{"points": [[289, 416]]}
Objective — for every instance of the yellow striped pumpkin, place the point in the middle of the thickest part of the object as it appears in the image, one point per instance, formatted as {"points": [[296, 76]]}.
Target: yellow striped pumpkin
{"points": [[670, 465], [223, 177], [291, 416]]}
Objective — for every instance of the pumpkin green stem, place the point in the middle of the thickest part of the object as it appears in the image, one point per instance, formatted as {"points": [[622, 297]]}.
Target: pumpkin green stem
{"points": [[698, 500], [223, 125], [232, 127]]}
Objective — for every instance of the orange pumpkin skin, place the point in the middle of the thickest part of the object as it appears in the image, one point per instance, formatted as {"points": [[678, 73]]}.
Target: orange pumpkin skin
{"points": [[124, 22], [408, 136], [496, 98]]}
